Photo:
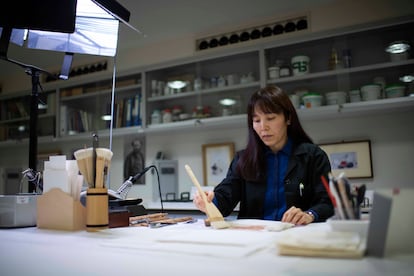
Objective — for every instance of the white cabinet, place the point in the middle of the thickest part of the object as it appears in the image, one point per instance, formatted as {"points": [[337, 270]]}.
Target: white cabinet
{"points": [[231, 75], [217, 87], [87, 108], [360, 56]]}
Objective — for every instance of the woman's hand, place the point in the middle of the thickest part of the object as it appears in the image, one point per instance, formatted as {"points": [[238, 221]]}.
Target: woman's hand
{"points": [[297, 216], [198, 200]]}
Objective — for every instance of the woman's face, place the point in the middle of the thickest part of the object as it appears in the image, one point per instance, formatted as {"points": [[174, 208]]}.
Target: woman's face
{"points": [[271, 128]]}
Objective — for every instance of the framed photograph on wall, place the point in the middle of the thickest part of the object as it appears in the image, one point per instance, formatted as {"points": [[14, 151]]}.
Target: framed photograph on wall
{"points": [[216, 161], [134, 162], [352, 158]]}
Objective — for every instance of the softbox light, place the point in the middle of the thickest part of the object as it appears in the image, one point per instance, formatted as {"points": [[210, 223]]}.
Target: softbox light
{"points": [[95, 31], [69, 26]]}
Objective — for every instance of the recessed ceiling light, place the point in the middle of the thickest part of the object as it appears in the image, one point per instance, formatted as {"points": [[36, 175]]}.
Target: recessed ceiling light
{"points": [[227, 102], [41, 106], [106, 117], [407, 78], [177, 84], [398, 47]]}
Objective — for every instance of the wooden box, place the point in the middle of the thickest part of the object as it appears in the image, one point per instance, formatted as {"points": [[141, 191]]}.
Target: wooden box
{"points": [[58, 210]]}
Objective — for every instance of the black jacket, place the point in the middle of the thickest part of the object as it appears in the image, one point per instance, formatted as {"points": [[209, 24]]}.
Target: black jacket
{"points": [[306, 165]]}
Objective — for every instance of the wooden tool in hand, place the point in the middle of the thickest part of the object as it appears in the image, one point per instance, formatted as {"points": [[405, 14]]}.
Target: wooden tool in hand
{"points": [[215, 217]]}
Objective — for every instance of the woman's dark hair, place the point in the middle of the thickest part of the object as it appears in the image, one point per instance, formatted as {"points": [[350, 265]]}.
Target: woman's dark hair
{"points": [[270, 99]]}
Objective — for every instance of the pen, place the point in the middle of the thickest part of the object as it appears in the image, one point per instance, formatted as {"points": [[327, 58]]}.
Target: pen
{"points": [[301, 187]]}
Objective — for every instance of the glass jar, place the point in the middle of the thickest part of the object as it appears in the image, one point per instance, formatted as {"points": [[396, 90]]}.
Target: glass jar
{"points": [[176, 111], [167, 116], [273, 72], [156, 117], [284, 71]]}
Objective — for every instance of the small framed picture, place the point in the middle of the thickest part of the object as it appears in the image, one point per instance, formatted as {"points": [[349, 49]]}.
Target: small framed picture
{"points": [[216, 161], [134, 162], [351, 158]]}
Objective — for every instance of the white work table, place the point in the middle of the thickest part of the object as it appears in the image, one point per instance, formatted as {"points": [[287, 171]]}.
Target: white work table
{"points": [[152, 251]]}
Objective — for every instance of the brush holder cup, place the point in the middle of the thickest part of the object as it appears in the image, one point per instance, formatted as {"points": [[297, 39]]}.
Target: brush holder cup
{"points": [[97, 215]]}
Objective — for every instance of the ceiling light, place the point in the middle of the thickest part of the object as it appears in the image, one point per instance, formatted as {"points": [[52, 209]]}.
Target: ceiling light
{"points": [[106, 117], [407, 78], [227, 102], [398, 47], [177, 84], [41, 106]]}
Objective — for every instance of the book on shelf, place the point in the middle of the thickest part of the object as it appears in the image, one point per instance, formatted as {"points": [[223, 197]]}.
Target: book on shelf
{"points": [[51, 103], [21, 109], [74, 120], [119, 109], [136, 110], [2, 111], [132, 110], [63, 124], [128, 112], [12, 111], [80, 121], [4, 133]]}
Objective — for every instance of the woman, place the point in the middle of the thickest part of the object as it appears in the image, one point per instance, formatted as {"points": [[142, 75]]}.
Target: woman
{"points": [[278, 175]]}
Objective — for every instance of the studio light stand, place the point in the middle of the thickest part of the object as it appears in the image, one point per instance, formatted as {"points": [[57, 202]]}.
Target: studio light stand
{"points": [[35, 73], [60, 26]]}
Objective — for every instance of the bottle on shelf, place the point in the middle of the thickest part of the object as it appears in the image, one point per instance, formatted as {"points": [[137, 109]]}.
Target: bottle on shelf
{"points": [[167, 116], [334, 61], [156, 117], [347, 58]]}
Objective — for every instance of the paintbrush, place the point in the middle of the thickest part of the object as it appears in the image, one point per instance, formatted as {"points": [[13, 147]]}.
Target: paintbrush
{"points": [[344, 193], [84, 160], [334, 191], [103, 162], [215, 217], [95, 144]]}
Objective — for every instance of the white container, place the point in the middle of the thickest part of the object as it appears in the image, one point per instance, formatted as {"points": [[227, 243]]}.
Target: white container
{"points": [[335, 97], [354, 226], [295, 100], [312, 100], [300, 65], [301, 92], [273, 72], [184, 116], [354, 96], [370, 92], [233, 79], [395, 91]]}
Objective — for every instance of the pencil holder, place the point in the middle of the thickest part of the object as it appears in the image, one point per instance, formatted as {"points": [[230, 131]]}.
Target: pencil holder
{"points": [[97, 217]]}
